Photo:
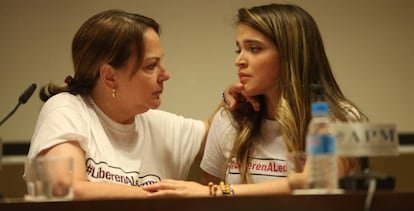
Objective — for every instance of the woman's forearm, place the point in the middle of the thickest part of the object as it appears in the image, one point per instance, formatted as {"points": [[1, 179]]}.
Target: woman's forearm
{"points": [[100, 190]]}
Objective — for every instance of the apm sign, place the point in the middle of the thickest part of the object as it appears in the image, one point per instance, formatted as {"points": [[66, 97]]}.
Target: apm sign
{"points": [[366, 139]]}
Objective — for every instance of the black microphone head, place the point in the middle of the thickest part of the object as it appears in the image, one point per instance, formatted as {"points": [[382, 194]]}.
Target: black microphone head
{"points": [[24, 97]]}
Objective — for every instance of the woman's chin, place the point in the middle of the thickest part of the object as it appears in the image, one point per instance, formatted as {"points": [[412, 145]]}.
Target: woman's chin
{"points": [[155, 104], [247, 93]]}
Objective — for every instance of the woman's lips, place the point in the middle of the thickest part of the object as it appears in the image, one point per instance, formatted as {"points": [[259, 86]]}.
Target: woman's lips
{"points": [[243, 77], [157, 93]]}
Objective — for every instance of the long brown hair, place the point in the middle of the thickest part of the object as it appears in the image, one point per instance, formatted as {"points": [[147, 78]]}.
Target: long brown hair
{"points": [[107, 37], [303, 64]]}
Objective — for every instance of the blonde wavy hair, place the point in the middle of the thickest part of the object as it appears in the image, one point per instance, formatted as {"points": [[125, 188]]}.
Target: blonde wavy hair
{"points": [[304, 64]]}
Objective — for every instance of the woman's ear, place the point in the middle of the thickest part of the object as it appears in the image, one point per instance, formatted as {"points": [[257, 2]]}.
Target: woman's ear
{"points": [[107, 73]]}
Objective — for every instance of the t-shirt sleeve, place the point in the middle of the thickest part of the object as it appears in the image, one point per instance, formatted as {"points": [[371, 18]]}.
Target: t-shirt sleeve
{"points": [[182, 136], [190, 134], [218, 145], [57, 124]]}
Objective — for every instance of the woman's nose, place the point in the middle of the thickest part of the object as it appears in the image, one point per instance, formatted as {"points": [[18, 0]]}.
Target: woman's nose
{"points": [[164, 75], [240, 61]]}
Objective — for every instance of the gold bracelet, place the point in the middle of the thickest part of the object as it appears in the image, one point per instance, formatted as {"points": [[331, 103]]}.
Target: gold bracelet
{"points": [[226, 189], [213, 189]]}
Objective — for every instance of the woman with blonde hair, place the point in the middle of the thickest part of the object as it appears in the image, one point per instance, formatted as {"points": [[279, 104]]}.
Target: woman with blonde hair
{"points": [[282, 64]]}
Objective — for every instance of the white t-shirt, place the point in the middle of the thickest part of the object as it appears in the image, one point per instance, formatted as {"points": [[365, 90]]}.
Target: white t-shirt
{"points": [[268, 160], [156, 146]]}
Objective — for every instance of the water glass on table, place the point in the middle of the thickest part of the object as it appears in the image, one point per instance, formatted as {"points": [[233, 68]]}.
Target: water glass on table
{"points": [[296, 162], [49, 179], [295, 166]]}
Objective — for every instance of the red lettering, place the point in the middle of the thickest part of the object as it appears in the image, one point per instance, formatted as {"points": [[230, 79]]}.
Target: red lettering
{"points": [[252, 165], [270, 167], [280, 168], [234, 165]]}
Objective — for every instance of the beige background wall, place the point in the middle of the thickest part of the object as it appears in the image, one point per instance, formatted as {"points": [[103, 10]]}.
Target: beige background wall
{"points": [[370, 44]]}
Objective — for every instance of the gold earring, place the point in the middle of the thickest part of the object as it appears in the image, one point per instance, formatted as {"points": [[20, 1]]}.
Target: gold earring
{"points": [[113, 93]]}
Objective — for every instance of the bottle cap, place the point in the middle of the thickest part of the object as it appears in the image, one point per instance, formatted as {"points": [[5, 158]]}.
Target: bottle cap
{"points": [[320, 107]]}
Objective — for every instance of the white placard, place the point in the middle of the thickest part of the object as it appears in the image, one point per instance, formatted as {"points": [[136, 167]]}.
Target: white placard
{"points": [[366, 139]]}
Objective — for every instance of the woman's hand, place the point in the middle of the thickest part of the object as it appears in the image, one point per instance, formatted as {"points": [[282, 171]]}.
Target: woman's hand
{"points": [[176, 188], [233, 95]]}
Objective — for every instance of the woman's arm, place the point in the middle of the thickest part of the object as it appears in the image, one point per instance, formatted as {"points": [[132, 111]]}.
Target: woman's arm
{"points": [[84, 189], [276, 186], [178, 188]]}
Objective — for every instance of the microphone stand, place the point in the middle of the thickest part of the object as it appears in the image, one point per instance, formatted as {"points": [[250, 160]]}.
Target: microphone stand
{"points": [[361, 181], [24, 97], [10, 114], [367, 181]]}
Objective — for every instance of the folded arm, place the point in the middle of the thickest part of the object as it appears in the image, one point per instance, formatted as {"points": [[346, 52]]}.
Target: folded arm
{"points": [[84, 189]]}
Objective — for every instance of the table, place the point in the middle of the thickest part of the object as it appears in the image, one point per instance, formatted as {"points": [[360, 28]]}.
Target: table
{"points": [[349, 201]]}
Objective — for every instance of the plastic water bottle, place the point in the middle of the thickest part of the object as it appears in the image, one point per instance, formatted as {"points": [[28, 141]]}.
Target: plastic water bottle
{"points": [[321, 149]]}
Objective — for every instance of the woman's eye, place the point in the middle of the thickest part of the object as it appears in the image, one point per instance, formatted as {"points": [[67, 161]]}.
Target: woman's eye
{"points": [[152, 66], [254, 49]]}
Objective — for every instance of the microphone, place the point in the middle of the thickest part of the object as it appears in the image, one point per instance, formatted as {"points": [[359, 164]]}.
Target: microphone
{"points": [[24, 97], [27, 94]]}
